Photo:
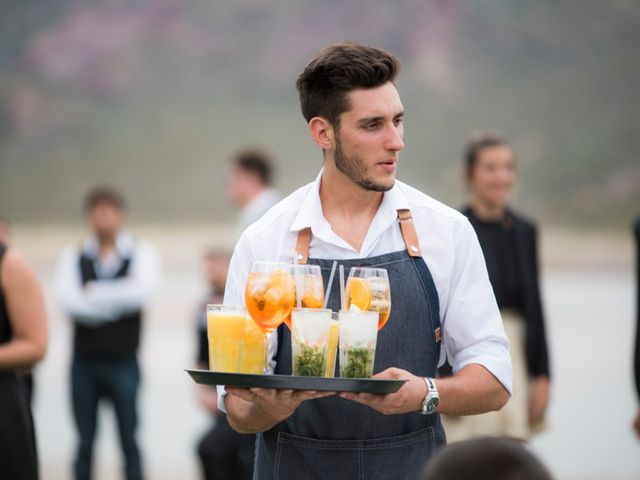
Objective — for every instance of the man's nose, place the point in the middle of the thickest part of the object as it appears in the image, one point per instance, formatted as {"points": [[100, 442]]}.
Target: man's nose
{"points": [[394, 139]]}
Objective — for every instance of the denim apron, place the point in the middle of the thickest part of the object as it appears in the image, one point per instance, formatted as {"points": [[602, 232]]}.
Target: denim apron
{"points": [[334, 438]]}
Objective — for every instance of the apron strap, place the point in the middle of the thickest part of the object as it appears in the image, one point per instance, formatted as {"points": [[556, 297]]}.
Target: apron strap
{"points": [[409, 233], [302, 246], [410, 238]]}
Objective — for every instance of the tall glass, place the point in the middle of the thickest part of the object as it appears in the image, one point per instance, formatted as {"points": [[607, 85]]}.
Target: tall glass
{"points": [[225, 329], [368, 290], [252, 356], [358, 339], [332, 347], [309, 287], [309, 340], [270, 296]]}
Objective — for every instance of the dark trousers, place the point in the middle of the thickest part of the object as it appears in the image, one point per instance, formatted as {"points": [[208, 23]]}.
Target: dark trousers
{"points": [[226, 454], [116, 381]]}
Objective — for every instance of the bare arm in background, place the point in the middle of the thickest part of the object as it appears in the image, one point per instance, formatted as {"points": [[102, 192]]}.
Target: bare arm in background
{"points": [[25, 306]]}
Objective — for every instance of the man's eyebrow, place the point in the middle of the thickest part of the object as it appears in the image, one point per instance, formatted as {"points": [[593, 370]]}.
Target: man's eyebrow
{"points": [[379, 118]]}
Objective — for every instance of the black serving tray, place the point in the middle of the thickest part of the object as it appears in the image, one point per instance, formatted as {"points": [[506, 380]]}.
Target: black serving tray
{"points": [[289, 382]]}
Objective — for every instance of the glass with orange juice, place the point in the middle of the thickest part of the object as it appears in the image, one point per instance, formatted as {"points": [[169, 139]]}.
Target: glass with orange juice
{"points": [[252, 354], [368, 290], [225, 330], [332, 347], [269, 296]]}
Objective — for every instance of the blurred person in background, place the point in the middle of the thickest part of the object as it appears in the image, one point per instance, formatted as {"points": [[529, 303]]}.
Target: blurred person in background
{"points": [[103, 284], [509, 244], [5, 231], [26, 373], [223, 453], [636, 365], [486, 458], [249, 186], [23, 343]]}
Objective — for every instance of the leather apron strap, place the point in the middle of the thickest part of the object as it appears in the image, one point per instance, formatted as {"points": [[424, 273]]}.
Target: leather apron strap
{"points": [[407, 228], [302, 246]]}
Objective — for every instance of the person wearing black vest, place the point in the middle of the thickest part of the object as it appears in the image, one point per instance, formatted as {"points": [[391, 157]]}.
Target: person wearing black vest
{"points": [[103, 286], [509, 245], [23, 343]]}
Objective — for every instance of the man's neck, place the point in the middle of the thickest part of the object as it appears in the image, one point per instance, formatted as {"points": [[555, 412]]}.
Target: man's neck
{"points": [[254, 194], [348, 208], [106, 245], [488, 212]]}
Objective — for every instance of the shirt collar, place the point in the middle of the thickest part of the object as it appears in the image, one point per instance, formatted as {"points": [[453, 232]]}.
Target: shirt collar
{"points": [[311, 215], [123, 247]]}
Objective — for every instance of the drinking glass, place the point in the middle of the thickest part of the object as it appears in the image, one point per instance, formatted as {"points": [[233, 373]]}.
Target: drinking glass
{"points": [[309, 287], [270, 296], [358, 338], [309, 340], [225, 329], [368, 290]]}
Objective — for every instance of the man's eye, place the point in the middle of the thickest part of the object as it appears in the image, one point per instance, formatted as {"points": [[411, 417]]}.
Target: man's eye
{"points": [[371, 126], [398, 121]]}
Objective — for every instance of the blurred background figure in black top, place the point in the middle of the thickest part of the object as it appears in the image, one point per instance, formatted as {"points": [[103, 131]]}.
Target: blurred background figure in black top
{"points": [[223, 453], [509, 244], [26, 373], [103, 284], [636, 364], [23, 342]]}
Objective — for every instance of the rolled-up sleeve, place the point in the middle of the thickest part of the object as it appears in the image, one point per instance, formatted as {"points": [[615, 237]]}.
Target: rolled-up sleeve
{"points": [[473, 332]]}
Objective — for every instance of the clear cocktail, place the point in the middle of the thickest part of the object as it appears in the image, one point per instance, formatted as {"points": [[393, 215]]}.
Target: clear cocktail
{"points": [[358, 337], [309, 340]]}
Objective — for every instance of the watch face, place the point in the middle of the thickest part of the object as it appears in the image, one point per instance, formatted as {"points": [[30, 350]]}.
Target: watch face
{"points": [[432, 404]]}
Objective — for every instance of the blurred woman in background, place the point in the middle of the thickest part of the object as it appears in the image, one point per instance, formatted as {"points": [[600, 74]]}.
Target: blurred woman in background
{"points": [[23, 342], [509, 244]]}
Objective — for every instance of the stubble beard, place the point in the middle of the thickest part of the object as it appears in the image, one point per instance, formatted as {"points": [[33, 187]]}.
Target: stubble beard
{"points": [[355, 170]]}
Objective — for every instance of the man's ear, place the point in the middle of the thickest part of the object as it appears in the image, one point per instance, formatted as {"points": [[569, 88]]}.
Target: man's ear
{"points": [[322, 133]]}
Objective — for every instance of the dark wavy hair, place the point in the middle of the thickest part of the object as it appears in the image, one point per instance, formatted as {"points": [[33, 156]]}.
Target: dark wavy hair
{"points": [[325, 82]]}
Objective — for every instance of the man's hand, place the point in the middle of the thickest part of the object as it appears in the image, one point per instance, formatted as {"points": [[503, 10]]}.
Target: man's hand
{"points": [[408, 399], [268, 407], [538, 399]]}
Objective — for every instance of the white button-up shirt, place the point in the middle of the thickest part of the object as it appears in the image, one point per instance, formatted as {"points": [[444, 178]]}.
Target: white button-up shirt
{"points": [[472, 330], [105, 301]]}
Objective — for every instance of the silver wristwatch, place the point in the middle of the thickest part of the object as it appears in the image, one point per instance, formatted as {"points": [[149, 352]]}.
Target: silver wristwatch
{"points": [[431, 401]]}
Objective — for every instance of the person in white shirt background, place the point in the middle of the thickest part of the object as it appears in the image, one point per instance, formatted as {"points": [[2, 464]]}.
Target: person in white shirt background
{"points": [[103, 285], [249, 185], [356, 212]]}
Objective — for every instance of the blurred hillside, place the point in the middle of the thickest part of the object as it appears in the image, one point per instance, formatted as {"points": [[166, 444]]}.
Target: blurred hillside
{"points": [[154, 95]]}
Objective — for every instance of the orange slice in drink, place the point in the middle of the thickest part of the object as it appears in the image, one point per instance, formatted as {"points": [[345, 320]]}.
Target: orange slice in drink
{"points": [[359, 293], [311, 301]]}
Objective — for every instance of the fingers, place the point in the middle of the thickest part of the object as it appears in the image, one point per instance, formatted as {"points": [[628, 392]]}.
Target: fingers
{"points": [[243, 393]]}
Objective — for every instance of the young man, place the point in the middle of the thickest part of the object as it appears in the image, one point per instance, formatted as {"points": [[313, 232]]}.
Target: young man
{"points": [[357, 213], [103, 286]]}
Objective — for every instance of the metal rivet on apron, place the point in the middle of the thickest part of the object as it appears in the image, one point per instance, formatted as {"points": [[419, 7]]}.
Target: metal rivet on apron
{"points": [[300, 256], [414, 248]]}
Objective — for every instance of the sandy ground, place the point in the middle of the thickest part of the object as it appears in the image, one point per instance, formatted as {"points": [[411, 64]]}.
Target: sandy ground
{"points": [[588, 292]]}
